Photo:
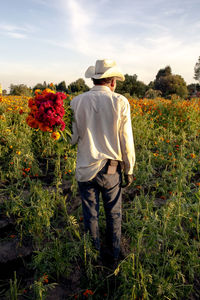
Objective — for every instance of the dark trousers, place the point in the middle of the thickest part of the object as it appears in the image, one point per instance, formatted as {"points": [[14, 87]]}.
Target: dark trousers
{"points": [[109, 185]]}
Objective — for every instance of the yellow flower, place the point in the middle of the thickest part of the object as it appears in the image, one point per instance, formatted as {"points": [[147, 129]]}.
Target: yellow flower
{"points": [[192, 155], [47, 91], [55, 135], [38, 91], [18, 152]]}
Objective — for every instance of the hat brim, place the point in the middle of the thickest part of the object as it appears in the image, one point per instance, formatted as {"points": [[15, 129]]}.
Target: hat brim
{"points": [[111, 72]]}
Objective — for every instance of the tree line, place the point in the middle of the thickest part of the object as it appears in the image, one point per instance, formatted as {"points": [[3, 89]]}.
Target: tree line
{"points": [[166, 84]]}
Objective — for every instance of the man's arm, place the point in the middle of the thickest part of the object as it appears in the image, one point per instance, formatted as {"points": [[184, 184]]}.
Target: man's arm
{"points": [[74, 137], [126, 140]]}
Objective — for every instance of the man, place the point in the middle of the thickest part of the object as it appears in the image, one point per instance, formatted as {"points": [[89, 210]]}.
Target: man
{"points": [[102, 128]]}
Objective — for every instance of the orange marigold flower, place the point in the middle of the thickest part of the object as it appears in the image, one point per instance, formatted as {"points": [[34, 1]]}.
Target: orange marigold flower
{"points": [[44, 127], [55, 135], [138, 187], [45, 278], [31, 122], [38, 91], [47, 91]]}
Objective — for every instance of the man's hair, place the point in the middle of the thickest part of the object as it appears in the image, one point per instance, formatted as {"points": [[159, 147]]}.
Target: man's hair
{"points": [[102, 81]]}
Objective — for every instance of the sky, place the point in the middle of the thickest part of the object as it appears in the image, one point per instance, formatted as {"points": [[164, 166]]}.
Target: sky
{"points": [[56, 40]]}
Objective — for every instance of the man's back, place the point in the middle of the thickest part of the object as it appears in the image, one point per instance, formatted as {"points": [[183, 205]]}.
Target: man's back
{"points": [[99, 115]]}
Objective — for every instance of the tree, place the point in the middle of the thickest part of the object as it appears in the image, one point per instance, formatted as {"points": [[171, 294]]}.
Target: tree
{"points": [[40, 86], [197, 70], [43, 86], [193, 89], [20, 90], [164, 72], [169, 83], [152, 94], [131, 86], [61, 87], [78, 86]]}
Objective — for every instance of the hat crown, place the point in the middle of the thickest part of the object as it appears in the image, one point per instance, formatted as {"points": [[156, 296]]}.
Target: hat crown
{"points": [[104, 68], [103, 65]]}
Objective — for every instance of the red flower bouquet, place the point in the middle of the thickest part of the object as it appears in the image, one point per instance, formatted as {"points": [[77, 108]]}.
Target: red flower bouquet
{"points": [[46, 111]]}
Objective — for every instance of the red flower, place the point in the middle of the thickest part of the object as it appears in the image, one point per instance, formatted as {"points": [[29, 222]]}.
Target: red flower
{"points": [[88, 292], [47, 111]]}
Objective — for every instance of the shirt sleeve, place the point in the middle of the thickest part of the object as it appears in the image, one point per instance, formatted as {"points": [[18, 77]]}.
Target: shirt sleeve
{"points": [[74, 137], [126, 139]]}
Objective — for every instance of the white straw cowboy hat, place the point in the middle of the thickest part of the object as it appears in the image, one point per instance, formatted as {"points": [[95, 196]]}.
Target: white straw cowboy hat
{"points": [[103, 69]]}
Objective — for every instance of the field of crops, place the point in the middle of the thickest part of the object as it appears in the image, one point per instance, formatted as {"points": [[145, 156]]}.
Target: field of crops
{"points": [[39, 202]]}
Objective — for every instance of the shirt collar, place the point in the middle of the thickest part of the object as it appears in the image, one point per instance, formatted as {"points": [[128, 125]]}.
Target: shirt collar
{"points": [[100, 88]]}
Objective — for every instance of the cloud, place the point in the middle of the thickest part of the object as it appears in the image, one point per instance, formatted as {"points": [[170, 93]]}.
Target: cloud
{"points": [[12, 31], [142, 37], [149, 45], [79, 20], [172, 12], [17, 35], [15, 31]]}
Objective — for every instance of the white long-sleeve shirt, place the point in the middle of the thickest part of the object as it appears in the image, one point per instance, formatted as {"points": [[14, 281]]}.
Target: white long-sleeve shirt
{"points": [[102, 128]]}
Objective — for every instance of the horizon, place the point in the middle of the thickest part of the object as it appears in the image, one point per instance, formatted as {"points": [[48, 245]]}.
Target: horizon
{"points": [[57, 40]]}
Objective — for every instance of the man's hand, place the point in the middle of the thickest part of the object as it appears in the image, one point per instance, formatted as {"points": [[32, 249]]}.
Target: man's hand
{"points": [[128, 178]]}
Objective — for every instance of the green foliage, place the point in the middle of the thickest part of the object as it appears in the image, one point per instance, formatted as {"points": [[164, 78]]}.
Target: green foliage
{"points": [[170, 84], [20, 90], [40, 86], [78, 86], [164, 72], [197, 70], [61, 87], [152, 94], [132, 86], [193, 88], [161, 209]]}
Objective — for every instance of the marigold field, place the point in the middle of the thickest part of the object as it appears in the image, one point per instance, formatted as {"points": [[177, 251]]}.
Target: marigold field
{"points": [[161, 209]]}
